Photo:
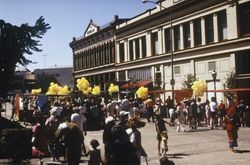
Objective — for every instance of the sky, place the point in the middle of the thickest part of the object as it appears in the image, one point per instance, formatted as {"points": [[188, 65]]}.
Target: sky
{"points": [[67, 19]]}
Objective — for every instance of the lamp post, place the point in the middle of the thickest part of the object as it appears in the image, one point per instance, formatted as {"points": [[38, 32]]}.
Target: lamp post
{"points": [[214, 75], [172, 81]]}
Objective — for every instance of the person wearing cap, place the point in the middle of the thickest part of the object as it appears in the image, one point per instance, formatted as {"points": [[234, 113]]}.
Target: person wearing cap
{"points": [[107, 138], [242, 109]]}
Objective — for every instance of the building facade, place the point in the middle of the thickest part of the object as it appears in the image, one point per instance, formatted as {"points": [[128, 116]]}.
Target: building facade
{"points": [[176, 38], [94, 54]]}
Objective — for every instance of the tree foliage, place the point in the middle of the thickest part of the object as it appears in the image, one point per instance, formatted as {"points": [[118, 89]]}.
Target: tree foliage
{"points": [[187, 84], [15, 43], [43, 81]]}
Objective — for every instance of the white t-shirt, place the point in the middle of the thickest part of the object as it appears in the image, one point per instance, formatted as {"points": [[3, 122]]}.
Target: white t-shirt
{"points": [[213, 106]]}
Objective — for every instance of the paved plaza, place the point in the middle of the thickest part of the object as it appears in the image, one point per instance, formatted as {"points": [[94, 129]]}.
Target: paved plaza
{"points": [[203, 147]]}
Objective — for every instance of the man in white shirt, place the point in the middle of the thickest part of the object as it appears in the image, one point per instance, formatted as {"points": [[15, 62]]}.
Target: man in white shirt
{"points": [[213, 111]]}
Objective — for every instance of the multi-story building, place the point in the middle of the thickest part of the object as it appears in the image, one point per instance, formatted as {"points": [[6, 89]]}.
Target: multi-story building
{"points": [[183, 37], [165, 44], [94, 54], [63, 75]]}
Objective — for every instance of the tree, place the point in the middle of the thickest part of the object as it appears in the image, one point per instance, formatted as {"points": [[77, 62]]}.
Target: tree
{"points": [[189, 81], [15, 43], [43, 81]]}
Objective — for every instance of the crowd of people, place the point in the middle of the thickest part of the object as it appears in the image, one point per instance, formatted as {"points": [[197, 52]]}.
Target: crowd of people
{"points": [[61, 131]]}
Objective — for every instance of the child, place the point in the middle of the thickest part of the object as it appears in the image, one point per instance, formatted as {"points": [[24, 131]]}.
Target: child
{"points": [[165, 161], [94, 153], [164, 142]]}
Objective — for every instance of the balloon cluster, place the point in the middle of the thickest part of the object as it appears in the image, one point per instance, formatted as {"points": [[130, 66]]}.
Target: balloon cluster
{"points": [[142, 93], [199, 87], [36, 91], [113, 88], [83, 85], [96, 90], [55, 89]]}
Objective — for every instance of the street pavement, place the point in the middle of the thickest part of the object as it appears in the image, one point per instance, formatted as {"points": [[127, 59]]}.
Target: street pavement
{"points": [[202, 147]]}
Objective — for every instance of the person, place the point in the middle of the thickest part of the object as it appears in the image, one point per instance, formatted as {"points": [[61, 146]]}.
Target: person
{"points": [[170, 106], [52, 124], [160, 127], [242, 109], [135, 139], [207, 113], [232, 125], [40, 138], [122, 150], [213, 112], [164, 143], [221, 112], [180, 117], [107, 138], [25, 110], [150, 109], [72, 137], [165, 161], [94, 153]]}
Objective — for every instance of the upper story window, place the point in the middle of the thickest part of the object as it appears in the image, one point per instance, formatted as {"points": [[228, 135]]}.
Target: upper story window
{"points": [[209, 28], [167, 40], [244, 11], [154, 43], [137, 48], [121, 52], [177, 70], [243, 62], [177, 40], [222, 25], [186, 33], [144, 46], [197, 32], [131, 50], [211, 66]]}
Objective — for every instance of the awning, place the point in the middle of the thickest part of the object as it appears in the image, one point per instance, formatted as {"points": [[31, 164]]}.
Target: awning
{"points": [[231, 90], [137, 84]]}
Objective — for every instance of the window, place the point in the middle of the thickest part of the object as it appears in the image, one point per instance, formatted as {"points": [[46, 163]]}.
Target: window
{"points": [[209, 29], [211, 66], [144, 46], [243, 62], [186, 33], [121, 52], [222, 25], [197, 32], [137, 48], [244, 16], [131, 50], [167, 40], [154, 43], [122, 76], [177, 70], [177, 40]]}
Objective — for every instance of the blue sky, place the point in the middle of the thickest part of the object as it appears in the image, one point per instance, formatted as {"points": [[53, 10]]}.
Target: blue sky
{"points": [[68, 19]]}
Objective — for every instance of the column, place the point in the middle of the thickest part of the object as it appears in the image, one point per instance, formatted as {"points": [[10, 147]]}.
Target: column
{"points": [[126, 50], [215, 23], [160, 44], [148, 38], [203, 31], [192, 34], [181, 37], [232, 22], [140, 47]]}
